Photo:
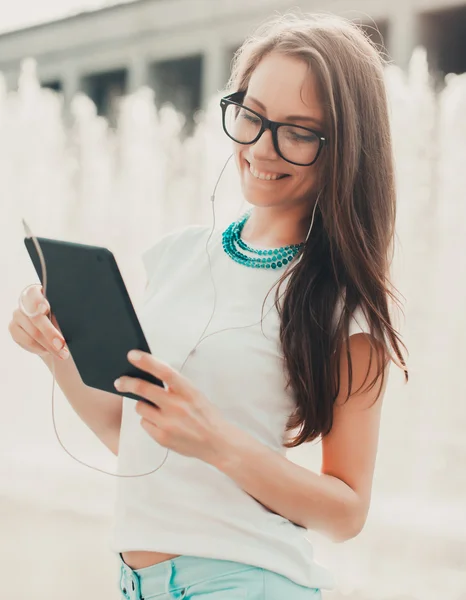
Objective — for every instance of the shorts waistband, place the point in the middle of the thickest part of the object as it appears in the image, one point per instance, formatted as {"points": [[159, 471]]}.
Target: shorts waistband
{"points": [[173, 575]]}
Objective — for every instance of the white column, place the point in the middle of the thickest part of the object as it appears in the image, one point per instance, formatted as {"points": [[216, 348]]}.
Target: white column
{"points": [[215, 71], [138, 73], [71, 82], [403, 34]]}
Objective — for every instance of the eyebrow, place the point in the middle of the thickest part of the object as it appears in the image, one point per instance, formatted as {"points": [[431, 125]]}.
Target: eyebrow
{"points": [[290, 118]]}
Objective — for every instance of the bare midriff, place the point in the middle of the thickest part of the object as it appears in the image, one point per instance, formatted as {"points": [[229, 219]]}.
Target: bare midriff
{"points": [[139, 559]]}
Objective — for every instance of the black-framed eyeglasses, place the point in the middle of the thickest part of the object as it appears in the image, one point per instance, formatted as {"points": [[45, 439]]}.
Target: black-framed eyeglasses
{"points": [[296, 144]]}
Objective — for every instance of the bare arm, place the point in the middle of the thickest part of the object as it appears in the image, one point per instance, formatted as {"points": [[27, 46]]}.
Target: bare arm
{"points": [[100, 411], [334, 502]]}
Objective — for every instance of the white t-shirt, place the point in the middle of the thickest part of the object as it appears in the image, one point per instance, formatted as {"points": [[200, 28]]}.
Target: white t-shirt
{"points": [[187, 506]]}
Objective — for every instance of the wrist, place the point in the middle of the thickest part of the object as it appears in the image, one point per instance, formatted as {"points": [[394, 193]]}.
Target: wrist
{"points": [[226, 453], [46, 358]]}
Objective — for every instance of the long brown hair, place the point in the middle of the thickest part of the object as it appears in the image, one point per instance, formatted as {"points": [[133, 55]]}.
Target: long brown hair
{"points": [[346, 259]]}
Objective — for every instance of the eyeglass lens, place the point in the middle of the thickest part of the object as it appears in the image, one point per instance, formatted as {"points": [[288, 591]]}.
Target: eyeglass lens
{"points": [[295, 143]]}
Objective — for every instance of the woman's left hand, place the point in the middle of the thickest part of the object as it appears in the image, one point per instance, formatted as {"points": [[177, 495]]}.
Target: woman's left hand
{"points": [[183, 420]]}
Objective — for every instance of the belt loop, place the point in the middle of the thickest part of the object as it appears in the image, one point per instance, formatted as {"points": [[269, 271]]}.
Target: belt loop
{"points": [[130, 583], [168, 580], [123, 581], [136, 587]]}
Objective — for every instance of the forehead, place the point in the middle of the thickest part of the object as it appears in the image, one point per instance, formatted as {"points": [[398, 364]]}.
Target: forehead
{"points": [[286, 86]]}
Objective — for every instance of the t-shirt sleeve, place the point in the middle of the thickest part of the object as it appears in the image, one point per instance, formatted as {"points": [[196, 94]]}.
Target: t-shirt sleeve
{"points": [[358, 322]]}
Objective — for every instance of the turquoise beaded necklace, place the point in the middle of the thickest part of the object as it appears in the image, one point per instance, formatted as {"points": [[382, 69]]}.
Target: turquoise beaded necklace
{"points": [[275, 258]]}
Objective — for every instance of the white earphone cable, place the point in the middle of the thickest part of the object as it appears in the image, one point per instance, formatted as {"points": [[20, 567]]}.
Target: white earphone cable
{"points": [[201, 338]]}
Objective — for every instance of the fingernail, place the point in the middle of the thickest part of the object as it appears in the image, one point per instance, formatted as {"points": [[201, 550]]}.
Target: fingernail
{"points": [[43, 308], [117, 383], [57, 343], [135, 355], [64, 353]]}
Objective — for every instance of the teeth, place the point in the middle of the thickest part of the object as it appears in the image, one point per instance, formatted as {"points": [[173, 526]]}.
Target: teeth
{"points": [[263, 176]]}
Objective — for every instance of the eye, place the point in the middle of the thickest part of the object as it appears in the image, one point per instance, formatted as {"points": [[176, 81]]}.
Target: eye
{"points": [[304, 138], [300, 136], [247, 116]]}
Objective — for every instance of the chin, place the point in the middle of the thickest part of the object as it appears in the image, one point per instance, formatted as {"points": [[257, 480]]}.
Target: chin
{"points": [[260, 197], [260, 192], [261, 200]]}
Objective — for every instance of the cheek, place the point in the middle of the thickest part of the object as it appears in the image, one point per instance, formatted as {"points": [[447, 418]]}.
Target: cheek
{"points": [[306, 179], [237, 151]]}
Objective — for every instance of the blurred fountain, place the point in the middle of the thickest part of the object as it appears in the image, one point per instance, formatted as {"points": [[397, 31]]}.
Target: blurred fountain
{"points": [[122, 188]]}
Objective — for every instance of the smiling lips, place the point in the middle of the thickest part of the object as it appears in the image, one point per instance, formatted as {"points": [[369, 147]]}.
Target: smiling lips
{"points": [[265, 176]]}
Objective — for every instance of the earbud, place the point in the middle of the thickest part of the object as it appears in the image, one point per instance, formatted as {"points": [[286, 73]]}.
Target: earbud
{"points": [[313, 215]]}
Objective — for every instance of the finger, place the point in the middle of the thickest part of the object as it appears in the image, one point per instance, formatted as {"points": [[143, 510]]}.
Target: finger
{"points": [[171, 377], [36, 340], [28, 326], [56, 325], [156, 433], [151, 413], [23, 339], [144, 389], [42, 330], [31, 300], [53, 336], [34, 300]]}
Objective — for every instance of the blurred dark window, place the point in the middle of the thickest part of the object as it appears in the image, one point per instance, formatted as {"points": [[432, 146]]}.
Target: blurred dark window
{"points": [[178, 82], [55, 85], [106, 89], [443, 33]]}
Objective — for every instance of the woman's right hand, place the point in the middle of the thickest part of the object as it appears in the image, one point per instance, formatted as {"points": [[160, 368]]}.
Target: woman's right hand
{"points": [[38, 335]]}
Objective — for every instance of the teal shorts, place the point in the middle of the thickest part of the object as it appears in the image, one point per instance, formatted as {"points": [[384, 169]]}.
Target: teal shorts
{"points": [[196, 578]]}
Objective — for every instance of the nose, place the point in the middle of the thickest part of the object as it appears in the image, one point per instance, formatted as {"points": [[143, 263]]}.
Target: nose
{"points": [[264, 149]]}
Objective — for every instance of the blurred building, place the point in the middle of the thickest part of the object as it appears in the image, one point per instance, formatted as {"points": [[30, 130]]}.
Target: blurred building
{"points": [[183, 48]]}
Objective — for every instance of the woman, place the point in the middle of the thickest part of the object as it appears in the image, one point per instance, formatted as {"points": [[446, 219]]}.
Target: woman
{"points": [[225, 514]]}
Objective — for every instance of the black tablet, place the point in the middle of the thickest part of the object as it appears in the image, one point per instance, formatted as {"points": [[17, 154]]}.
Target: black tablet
{"points": [[92, 306]]}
